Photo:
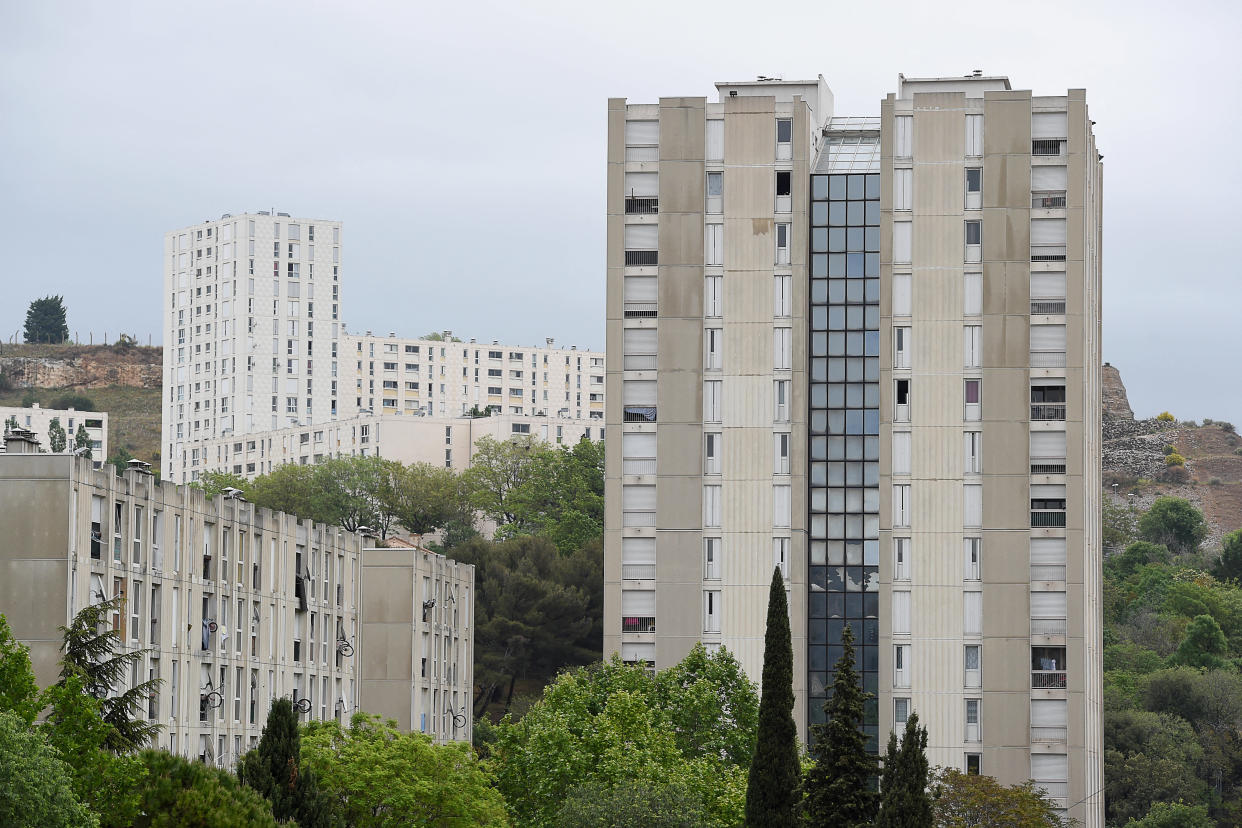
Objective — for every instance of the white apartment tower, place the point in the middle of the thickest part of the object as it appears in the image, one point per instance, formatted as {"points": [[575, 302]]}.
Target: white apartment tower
{"points": [[866, 350], [251, 330]]}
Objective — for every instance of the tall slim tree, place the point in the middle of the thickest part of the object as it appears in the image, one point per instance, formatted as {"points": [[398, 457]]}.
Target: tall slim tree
{"points": [[274, 769], [82, 440], [838, 786], [92, 655], [56, 437], [904, 798], [772, 790], [45, 320]]}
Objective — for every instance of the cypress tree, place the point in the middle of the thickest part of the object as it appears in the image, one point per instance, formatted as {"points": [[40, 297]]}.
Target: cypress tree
{"points": [[905, 801], [772, 789], [273, 769], [838, 786]]}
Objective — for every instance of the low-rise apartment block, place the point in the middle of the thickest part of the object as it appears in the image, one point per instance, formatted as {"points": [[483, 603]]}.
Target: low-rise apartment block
{"points": [[37, 420]]}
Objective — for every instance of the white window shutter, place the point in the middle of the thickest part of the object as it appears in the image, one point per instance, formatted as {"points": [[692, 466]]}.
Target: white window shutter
{"points": [[638, 602], [901, 294], [1048, 551], [903, 136], [641, 236], [1047, 337], [638, 498], [974, 135], [639, 133], [1050, 125], [1048, 231], [901, 452], [973, 294], [1049, 767], [1049, 444], [1048, 605], [638, 550], [638, 392], [901, 613], [1047, 285], [1049, 712], [638, 445], [1049, 178], [715, 140], [639, 340], [902, 239], [972, 609], [973, 497], [642, 185], [633, 651], [903, 189]]}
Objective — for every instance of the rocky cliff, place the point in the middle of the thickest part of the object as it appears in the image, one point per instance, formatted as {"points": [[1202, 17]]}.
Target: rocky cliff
{"points": [[1116, 403], [81, 367]]}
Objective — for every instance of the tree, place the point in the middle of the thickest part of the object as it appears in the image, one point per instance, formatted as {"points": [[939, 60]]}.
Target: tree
{"points": [[1173, 815], [609, 725], [35, 788], [1230, 564], [11, 424], [498, 480], [905, 801], [1148, 757], [45, 320], [180, 793], [772, 789], [1204, 645], [1136, 555], [274, 770], [78, 402], [214, 482], [838, 785], [56, 438], [376, 775], [19, 694], [1173, 522], [975, 801], [92, 655], [631, 804], [423, 497], [82, 441]]}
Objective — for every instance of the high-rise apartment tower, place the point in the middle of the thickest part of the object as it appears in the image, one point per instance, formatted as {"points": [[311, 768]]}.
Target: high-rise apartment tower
{"points": [[866, 350]]}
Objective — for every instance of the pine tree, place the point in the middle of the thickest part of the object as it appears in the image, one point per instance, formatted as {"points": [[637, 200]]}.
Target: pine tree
{"points": [[45, 320], [92, 654], [772, 790], [838, 787], [905, 801], [56, 438], [274, 770]]}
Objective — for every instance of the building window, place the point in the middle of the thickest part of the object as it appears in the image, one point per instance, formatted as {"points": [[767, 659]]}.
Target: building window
{"points": [[974, 188], [713, 245], [972, 661], [973, 441], [972, 720], [901, 399], [973, 392], [901, 504], [974, 764], [972, 346], [901, 711], [974, 240], [901, 559], [781, 453], [711, 506], [711, 452], [711, 559], [901, 659], [784, 139], [781, 401], [712, 286], [711, 401], [715, 193], [782, 296], [782, 348], [713, 349], [780, 556], [782, 243], [711, 611], [903, 186], [784, 191], [901, 347]]}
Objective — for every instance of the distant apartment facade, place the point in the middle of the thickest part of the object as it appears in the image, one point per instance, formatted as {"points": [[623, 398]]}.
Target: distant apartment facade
{"points": [[37, 420], [865, 350], [237, 605]]}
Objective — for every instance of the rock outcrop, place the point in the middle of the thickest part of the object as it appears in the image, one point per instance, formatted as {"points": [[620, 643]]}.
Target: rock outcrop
{"points": [[1116, 403]]}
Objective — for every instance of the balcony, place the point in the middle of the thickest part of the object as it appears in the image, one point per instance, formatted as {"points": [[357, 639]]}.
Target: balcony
{"points": [[1049, 734], [644, 518], [1039, 253], [1047, 679], [1048, 146], [1058, 792], [1047, 626], [1048, 572], [640, 310], [1048, 519], [638, 414], [638, 572], [647, 258], [638, 624], [1047, 465], [638, 465], [1047, 359], [1047, 307], [638, 362], [1047, 411], [643, 205], [1048, 199]]}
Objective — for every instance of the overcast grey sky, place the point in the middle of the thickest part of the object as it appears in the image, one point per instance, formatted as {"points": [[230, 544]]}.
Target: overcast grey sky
{"points": [[463, 146]]}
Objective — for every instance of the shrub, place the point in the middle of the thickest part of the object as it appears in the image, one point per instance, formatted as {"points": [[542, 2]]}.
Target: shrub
{"points": [[1174, 474], [1215, 481], [1225, 426], [1174, 459], [1168, 449], [1173, 522], [1164, 417], [81, 402], [1238, 451]]}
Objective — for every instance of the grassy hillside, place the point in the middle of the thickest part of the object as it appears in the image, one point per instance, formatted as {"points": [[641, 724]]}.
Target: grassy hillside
{"points": [[133, 414]]}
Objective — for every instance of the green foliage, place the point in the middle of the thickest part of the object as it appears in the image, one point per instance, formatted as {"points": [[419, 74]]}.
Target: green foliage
{"points": [[1150, 757], [183, 794], [1230, 564], [90, 652], [273, 770], [376, 775], [45, 321], [119, 457], [1119, 523], [18, 692], [1169, 449], [82, 441], [1165, 417], [838, 785], [78, 402], [772, 787], [1204, 645], [1174, 459], [971, 801], [56, 439], [905, 801], [535, 612], [214, 482], [1173, 522], [631, 804], [35, 786], [1137, 554], [1173, 815], [424, 498], [613, 724]]}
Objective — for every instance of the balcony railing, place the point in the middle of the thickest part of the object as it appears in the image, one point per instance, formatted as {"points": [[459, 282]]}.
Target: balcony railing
{"points": [[1047, 307], [1040, 465], [1048, 199], [1047, 359], [644, 258], [641, 205], [1048, 734], [638, 414], [638, 362], [638, 465], [640, 310], [1047, 679], [1048, 572], [638, 519], [1048, 146], [1039, 253], [638, 624], [638, 572], [1047, 411], [1047, 626], [1046, 519]]}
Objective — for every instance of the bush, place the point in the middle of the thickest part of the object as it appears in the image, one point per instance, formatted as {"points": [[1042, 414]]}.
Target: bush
{"points": [[1175, 474], [1174, 459], [1226, 426], [1238, 451], [1215, 481], [80, 402], [1165, 417], [1173, 522], [1168, 449]]}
